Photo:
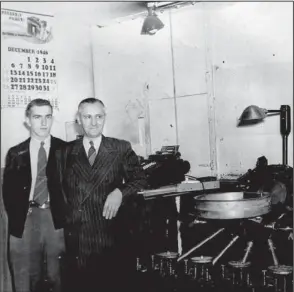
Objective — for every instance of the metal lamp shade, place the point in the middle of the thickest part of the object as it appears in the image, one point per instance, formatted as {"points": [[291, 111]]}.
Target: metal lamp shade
{"points": [[254, 114], [251, 115], [151, 24]]}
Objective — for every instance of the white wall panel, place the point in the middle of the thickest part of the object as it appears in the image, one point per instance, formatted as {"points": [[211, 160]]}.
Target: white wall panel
{"points": [[127, 63], [131, 70], [252, 55], [188, 43], [192, 113], [162, 123]]}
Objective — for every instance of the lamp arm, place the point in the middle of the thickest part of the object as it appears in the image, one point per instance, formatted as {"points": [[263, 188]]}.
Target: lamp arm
{"points": [[273, 111], [256, 114]]}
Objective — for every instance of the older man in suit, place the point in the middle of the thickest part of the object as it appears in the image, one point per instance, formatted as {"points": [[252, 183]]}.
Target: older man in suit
{"points": [[96, 174], [35, 212]]}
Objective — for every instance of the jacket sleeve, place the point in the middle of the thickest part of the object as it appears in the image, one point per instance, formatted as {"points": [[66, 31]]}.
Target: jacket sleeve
{"points": [[8, 179], [134, 176]]}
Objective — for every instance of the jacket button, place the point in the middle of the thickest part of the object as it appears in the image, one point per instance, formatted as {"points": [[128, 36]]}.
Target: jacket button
{"points": [[25, 188], [80, 210]]}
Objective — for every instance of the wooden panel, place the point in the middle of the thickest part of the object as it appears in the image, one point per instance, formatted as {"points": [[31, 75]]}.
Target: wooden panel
{"points": [[193, 128]]}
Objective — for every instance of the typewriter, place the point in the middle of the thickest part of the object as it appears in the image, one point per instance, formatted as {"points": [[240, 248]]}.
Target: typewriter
{"points": [[165, 167]]}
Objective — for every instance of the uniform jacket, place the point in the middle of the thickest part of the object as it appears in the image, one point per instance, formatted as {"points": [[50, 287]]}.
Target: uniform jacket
{"points": [[17, 182], [87, 187]]}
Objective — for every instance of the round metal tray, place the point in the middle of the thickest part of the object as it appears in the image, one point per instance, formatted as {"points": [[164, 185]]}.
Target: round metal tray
{"points": [[201, 260], [232, 205], [239, 264], [168, 255], [281, 269]]}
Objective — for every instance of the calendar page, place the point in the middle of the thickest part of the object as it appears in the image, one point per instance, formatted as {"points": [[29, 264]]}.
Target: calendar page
{"points": [[27, 59]]}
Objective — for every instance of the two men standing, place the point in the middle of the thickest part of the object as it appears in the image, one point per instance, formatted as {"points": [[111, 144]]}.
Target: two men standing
{"points": [[88, 180]]}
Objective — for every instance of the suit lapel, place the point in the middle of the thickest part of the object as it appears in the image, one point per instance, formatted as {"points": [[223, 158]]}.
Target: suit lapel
{"points": [[53, 147], [91, 175], [24, 160], [78, 161], [51, 159], [104, 159]]}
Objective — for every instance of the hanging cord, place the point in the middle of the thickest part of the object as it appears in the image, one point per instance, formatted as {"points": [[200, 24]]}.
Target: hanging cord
{"points": [[198, 179]]}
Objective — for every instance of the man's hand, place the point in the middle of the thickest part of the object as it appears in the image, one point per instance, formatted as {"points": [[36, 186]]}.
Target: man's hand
{"points": [[112, 204]]}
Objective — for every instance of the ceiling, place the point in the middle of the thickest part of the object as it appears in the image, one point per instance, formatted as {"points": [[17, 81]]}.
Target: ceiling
{"points": [[87, 12], [93, 13]]}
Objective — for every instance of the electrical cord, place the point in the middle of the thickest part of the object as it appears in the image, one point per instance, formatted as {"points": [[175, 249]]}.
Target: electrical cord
{"points": [[198, 179], [191, 177]]}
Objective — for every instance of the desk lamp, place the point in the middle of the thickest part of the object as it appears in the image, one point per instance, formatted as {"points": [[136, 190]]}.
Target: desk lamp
{"points": [[254, 114]]}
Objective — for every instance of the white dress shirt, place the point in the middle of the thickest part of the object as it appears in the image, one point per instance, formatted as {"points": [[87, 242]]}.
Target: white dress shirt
{"points": [[34, 151], [96, 141]]}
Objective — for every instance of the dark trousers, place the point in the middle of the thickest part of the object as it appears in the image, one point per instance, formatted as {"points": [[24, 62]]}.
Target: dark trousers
{"points": [[37, 255], [108, 272]]}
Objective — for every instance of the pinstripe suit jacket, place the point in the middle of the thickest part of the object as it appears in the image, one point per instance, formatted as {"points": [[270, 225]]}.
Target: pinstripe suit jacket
{"points": [[87, 187]]}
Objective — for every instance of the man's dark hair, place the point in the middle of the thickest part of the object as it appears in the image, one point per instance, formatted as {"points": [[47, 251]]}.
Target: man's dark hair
{"points": [[37, 102], [90, 100]]}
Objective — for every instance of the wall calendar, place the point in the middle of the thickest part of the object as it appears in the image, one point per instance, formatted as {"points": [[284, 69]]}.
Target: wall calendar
{"points": [[28, 65]]}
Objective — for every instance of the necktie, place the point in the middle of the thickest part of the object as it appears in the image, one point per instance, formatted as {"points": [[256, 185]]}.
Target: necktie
{"points": [[41, 189], [91, 153]]}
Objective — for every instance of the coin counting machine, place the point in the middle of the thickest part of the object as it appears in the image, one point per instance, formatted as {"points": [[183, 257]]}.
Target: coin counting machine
{"points": [[232, 235]]}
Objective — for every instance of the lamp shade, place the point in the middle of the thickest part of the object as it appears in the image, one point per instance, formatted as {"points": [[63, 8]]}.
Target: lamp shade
{"points": [[252, 114], [151, 23]]}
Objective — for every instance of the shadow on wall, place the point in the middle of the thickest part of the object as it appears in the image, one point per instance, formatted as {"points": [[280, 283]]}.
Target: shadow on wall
{"points": [[73, 131]]}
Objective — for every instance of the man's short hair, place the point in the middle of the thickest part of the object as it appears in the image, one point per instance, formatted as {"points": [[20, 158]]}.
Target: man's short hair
{"points": [[90, 100], [37, 102]]}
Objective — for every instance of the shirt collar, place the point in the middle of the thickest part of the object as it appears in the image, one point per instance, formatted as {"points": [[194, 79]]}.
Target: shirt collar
{"points": [[96, 141], [47, 141]]}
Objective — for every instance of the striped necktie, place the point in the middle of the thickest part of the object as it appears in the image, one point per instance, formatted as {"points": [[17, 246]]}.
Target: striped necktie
{"points": [[41, 189], [91, 153]]}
